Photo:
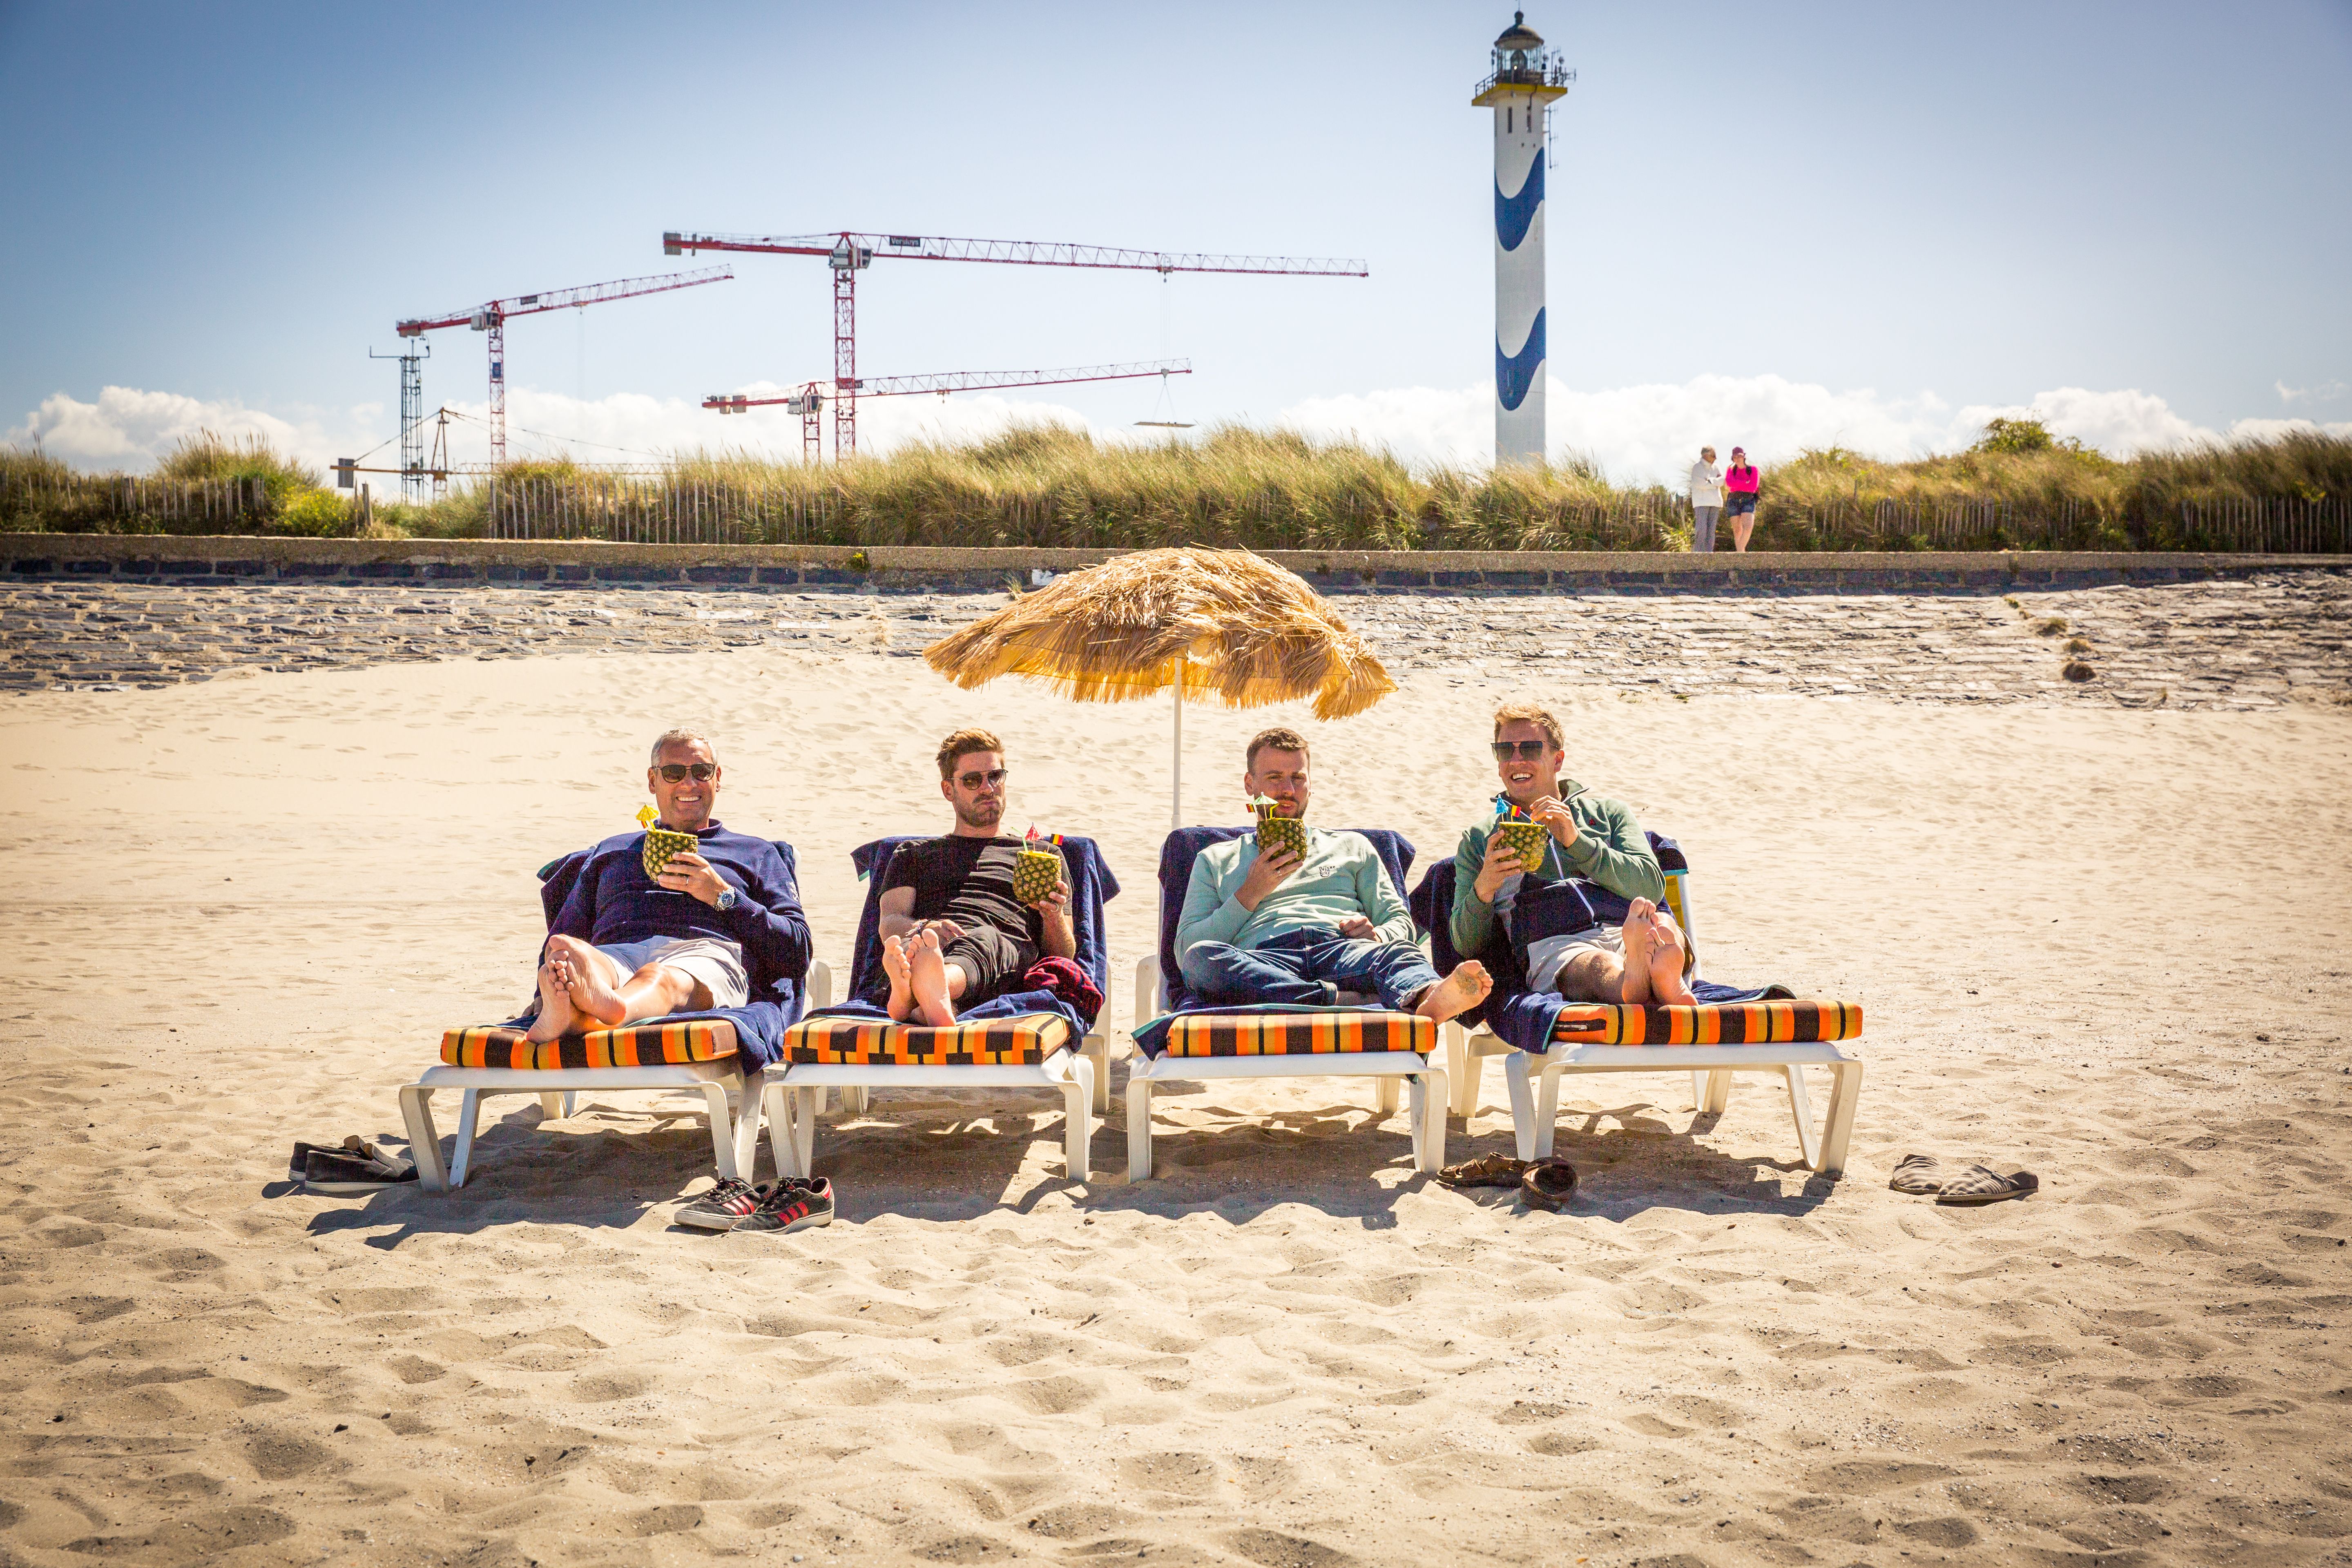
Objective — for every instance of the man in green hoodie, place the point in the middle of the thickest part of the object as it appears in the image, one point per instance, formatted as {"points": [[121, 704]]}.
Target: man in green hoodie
{"points": [[1586, 921]]}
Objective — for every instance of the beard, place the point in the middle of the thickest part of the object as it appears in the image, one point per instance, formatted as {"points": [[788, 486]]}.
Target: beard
{"points": [[986, 814]]}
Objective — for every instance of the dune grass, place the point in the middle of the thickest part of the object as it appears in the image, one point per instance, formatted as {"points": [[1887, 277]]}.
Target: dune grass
{"points": [[1055, 486]]}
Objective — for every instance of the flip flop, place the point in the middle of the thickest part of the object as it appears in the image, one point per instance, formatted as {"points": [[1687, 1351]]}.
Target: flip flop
{"points": [[1549, 1185], [1983, 1185], [1918, 1174], [1485, 1170]]}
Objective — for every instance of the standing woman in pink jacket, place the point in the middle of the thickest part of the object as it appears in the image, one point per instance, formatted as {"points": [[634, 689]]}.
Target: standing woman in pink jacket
{"points": [[1739, 497]]}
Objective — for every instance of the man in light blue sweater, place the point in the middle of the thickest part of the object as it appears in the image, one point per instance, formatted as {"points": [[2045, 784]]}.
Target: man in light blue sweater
{"points": [[1291, 928]]}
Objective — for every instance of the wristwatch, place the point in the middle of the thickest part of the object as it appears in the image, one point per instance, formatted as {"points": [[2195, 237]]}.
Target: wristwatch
{"points": [[728, 899]]}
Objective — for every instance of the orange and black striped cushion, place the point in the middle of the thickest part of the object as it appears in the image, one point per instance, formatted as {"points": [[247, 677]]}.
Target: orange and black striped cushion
{"points": [[1723, 1024], [1297, 1033], [998, 1042], [649, 1044]]}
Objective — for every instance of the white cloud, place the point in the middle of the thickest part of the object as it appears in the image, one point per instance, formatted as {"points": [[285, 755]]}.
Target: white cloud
{"points": [[1653, 431], [2325, 392], [1637, 433], [129, 429]]}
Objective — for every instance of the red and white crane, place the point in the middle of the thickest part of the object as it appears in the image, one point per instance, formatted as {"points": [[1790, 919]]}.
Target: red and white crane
{"points": [[848, 254], [809, 399], [492, 319]]}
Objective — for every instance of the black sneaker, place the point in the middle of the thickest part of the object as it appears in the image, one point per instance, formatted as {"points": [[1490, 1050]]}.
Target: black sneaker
{"points": [[794, 1203], [723, 1207]]}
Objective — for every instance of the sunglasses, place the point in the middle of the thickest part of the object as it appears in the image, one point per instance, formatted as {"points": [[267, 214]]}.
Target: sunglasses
{"points": [[991, 778], [1526, 750], [676, 773]]}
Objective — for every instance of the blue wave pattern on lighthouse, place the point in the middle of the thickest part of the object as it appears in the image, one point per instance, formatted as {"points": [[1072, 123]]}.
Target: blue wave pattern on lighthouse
{"points": [[1525, 80]]}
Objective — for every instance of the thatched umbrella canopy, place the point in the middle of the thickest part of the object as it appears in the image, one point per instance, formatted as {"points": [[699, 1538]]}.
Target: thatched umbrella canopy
{"points": [[1222, 623]]}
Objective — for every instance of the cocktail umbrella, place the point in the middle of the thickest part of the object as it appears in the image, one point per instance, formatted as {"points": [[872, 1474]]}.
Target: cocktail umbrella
{"points": [[1202, 623]]}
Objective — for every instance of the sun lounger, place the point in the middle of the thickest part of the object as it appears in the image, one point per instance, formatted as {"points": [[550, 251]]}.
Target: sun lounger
{"points": [[708, 1053], [1540, 1036], [1030, 1040], [1199, 1043]]}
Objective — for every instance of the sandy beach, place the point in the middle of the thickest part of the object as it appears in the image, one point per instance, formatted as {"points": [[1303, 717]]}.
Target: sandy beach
{"points": [[2105, 944]]}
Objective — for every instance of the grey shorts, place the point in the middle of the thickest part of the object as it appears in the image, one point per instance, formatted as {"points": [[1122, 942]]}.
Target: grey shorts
{"points": [[1547, 958], [716, 965]]}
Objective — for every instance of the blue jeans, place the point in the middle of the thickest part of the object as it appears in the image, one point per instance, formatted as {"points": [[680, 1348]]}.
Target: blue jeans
{"points": [[1308, 968]]}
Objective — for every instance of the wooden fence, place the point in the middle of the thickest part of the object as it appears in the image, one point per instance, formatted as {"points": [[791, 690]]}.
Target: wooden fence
{"points": [[114, 504]]}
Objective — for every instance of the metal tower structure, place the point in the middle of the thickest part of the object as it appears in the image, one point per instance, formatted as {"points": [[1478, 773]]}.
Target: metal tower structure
{"points": [[848, 254], [492, 319], [809, 397], [1519, 90], [411, 416]]}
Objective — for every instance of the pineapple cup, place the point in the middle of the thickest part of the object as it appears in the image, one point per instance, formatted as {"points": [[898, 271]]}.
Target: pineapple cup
{"points": [[1527, 840], [1275, 834], [661, 845], [1036, 873]]}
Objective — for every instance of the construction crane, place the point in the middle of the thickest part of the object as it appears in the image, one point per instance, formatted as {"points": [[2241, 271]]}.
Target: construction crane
{"points": [[809, 400], [492, 319], [849, 254]]}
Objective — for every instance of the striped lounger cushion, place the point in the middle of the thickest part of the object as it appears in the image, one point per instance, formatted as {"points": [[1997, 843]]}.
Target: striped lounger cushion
{"points": [[1724, 1024], [1024, 1041], [1298, 1034], [650, 1044]]}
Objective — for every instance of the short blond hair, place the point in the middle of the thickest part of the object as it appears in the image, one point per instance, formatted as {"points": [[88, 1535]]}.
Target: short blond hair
{"points": [[1528, 713], [962, 743], [1277, 738]]}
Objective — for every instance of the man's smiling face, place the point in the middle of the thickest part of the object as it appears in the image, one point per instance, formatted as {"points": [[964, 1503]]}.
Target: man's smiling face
{"points": [[1528, 778], [685, 802]]}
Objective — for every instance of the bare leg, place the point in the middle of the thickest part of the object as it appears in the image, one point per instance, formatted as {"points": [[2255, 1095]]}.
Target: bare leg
{"points": [[1458, 993], [928, 975], [596, 981], [1666, 983], [1592, 975], [1633, 987], [902, 988], [1741, 527]]}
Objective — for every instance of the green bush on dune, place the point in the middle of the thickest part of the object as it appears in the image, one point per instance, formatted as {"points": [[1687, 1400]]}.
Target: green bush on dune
{"points": [[2017, 487]]}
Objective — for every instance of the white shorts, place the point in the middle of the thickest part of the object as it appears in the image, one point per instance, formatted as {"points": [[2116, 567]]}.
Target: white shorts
{"points": [[714, 964], [1547, 958]]}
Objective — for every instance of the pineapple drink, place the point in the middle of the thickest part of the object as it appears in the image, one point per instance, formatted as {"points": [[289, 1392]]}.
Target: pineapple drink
{"points": [[1037, 868], [1525, 836], [660, 844], [1276, 833]]}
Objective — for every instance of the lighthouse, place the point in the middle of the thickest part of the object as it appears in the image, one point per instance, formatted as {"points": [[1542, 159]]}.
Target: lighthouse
{"points": [[1526, 78]]}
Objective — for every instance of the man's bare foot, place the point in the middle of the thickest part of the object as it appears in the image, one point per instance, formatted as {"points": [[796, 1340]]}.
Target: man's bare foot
{"points": [[927, 976], [1458, 993], [1666, 984], [555, 1016], [902, 986], [591, 996], [1633, 987]]}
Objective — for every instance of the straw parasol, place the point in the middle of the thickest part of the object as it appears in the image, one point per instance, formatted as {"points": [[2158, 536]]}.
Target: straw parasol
{"points": [[1223, 623]]}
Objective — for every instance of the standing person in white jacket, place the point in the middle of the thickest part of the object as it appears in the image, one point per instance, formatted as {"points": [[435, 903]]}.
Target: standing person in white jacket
{"points": [[1707, 501]]}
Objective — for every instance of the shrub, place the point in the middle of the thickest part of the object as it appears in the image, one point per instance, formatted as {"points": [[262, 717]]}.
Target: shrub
{"points": [[314, 513]]}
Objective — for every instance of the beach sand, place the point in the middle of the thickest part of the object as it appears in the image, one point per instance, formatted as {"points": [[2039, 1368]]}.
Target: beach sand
{"points": [[2108, 946]]}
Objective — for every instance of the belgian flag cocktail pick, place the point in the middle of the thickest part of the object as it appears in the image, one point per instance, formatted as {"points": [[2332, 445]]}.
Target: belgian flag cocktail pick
{"points": [[660, 843]]}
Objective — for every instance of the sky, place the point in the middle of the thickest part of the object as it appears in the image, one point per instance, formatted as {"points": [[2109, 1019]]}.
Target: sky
{"points": [[1805, 224]]}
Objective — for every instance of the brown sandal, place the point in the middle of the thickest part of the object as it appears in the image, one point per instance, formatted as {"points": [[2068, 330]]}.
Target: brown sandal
{"points": [[1549, 1185], [1485, 1170]]}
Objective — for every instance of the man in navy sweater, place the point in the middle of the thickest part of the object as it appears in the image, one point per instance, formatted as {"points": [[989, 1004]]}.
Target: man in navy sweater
{"points": [[627, 946]]}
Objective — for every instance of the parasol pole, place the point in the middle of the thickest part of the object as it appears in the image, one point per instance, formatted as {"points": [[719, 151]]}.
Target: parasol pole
{"points": [[1176, 768]]}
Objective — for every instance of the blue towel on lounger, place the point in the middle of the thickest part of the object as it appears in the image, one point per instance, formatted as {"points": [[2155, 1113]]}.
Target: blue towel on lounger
{"points": [[777, 1000], [1178, 853], [1519, 1016], [1091, 887]]}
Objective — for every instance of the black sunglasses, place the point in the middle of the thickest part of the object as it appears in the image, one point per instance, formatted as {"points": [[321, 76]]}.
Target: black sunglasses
{"points": [[675, 772], [1527, 751], [991, 778]]}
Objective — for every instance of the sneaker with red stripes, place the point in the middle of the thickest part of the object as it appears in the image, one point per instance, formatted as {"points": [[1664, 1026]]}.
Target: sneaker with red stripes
{"points": [[723, 1207], [794, 1203]]}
